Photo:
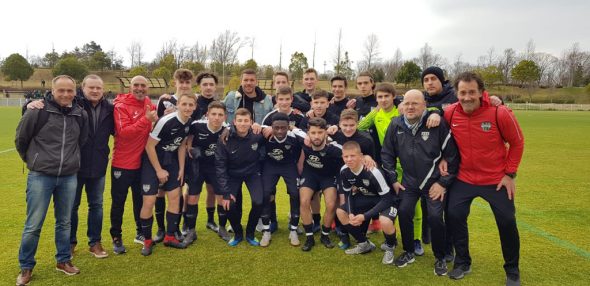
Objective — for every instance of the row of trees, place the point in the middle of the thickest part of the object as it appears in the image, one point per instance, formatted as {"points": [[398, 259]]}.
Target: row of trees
{"points": [[527, 68]]}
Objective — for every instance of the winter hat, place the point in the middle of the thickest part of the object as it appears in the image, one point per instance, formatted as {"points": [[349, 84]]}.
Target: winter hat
{"points": [[438, 72]]}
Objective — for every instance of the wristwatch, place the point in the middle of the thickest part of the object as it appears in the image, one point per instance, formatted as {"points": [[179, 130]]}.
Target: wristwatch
{"points": [[511, 175]]}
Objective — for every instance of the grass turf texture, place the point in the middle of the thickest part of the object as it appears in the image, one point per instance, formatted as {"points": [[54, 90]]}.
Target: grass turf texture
{"points": [[552, 214]]}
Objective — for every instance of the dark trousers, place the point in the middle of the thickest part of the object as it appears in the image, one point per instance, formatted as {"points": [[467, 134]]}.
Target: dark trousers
{"points": [[254, 184], [461, 196], [434, 209], [121, 181], [94, 194], [270, 178]]}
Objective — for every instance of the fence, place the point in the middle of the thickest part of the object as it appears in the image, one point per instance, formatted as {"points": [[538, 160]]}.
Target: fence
{"points": [[549, 106]]}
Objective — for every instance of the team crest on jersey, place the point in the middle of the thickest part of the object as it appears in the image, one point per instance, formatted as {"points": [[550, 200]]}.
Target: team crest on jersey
{"points": [[322, 154], [365, 182], [425, 135], [486, 126], [146, 188], [254, 146], [117, 174], [287, 147], [186, 129]]}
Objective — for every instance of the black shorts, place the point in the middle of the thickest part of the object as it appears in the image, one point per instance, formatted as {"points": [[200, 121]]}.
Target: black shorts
{"points": [[149, 180], [272, 172], [316, 182], [195, 182], [361, 204]]}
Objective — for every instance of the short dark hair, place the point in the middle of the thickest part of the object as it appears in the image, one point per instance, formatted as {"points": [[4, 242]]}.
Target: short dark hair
{"points": [[311, 70], [349, 114], [317, 122], [319, 93], [385, 87], [183, 74], [248, 71], [468, 77], [280, 73], [285, 90], [216, 104], [351, 145], [339, 77], [207, 74], [278, 116], [370, 75], [243, 111]]}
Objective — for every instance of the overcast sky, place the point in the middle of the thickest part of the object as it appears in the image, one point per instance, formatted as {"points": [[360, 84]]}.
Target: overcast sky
{"points": [[466, 27]]}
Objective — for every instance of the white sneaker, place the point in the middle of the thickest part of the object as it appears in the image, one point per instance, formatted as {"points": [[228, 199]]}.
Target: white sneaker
{"points": [[266, 238], [294, 238]]}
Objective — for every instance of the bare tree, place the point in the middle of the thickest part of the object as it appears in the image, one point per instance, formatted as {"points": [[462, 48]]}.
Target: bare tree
{"points": [[426, 58], [458, 66], [506, 62], [370, 54], [338, 58], [393, 66], [224, 49], [529, 51], [546, 63], [573, 60], [197, 53], [251, 41], [136, 53]]}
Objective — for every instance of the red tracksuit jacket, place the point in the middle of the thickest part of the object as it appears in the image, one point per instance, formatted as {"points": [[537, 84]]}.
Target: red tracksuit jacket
{"points": [[131, 131], [481, 138]]}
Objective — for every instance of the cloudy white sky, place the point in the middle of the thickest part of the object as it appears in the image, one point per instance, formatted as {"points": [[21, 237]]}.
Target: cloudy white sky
{"points": [[467, 27]]}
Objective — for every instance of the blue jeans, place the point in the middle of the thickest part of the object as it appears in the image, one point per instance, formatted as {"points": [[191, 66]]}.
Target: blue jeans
{"points": [[40, 189], [94, 191]]}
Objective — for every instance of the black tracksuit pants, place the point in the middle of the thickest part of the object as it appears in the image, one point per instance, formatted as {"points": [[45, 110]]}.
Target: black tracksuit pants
{"points": [[461, 196], [121, 180], [254, 184], [435, 209]]}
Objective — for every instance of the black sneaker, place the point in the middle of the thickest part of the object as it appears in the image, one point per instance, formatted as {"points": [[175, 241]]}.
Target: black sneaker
{"points": [[139, 238], [325, 240], [159, 236], [440, 267], [212, 226], [118, 247], [459, 271], [512, 280], [309, 243], [405, 259]]}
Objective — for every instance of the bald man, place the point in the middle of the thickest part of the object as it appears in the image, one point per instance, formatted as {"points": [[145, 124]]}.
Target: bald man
{"points": [[134, 115], [419, 150]]}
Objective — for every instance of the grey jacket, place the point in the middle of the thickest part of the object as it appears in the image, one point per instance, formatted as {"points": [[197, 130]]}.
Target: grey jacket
{"points": [[55, 149]]}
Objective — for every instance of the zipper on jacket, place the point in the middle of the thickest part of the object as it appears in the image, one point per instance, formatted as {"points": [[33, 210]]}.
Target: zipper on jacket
{"points": [[34, 160], [63, 144]]}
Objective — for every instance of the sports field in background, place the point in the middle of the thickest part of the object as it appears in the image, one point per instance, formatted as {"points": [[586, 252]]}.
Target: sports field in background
{"points": [[553, 215]]}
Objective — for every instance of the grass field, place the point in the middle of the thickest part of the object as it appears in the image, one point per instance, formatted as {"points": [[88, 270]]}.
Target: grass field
{"points": [[553, 214]]}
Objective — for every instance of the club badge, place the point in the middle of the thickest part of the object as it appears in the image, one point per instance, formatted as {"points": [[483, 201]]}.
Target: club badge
{"points": [[486, 126], [117, 174], [146, 188], [425, 135]]}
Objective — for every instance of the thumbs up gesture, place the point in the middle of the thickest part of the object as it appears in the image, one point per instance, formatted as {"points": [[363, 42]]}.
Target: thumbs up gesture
{"points": [[150, 114]]}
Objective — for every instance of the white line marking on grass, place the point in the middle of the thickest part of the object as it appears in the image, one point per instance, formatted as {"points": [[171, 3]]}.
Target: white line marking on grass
{"points": [[7, 150]]}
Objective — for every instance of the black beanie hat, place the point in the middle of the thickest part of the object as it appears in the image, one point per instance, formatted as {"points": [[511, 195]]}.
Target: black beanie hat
{"points": [[438, 72]]}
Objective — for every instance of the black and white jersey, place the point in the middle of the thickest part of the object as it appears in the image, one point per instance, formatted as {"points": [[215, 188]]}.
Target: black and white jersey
{"points": [[295, 120], [206, 140], [331, 119], [326, 162], [337, 106], [361, 137], [286, 151], [164, 104], [363, 182], [170, 131]]}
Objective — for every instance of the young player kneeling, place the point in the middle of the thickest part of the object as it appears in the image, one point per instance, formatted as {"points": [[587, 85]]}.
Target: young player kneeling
{"points": [[164, 166], [365, 193]]}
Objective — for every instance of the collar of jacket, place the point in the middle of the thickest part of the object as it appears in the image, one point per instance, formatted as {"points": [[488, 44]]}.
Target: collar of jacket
{"points": [[260, 95]]}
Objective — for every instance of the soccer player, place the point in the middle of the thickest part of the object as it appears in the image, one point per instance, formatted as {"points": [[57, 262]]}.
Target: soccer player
{"points": [[340, 100], [419, 150], [281, 79], [282, 152], [284, 100], [364, 194], [183, 79], [319, 109], [203, 139], [238, 161], [322, 162], [163, 166], [309, 82]]}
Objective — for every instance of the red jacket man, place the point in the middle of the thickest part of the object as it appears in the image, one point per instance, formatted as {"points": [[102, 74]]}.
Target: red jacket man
{"points": [[487, 170], [134, 115]]}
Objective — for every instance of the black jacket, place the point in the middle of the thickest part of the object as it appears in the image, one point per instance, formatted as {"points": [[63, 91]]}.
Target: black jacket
{"points": [[440, 101], [238, 157], [419, 154], [95, 153]]}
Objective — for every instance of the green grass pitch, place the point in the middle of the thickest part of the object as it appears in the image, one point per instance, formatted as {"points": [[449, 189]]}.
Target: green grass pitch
{"points": [[553, 214]]}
